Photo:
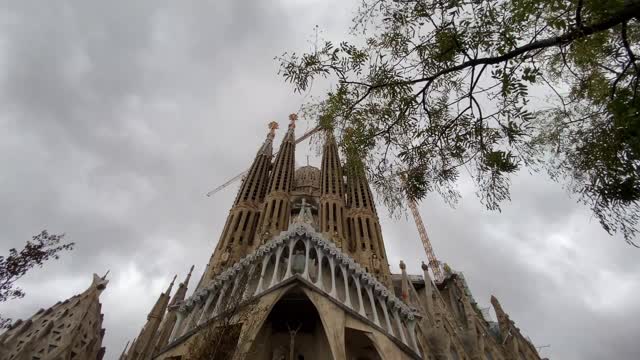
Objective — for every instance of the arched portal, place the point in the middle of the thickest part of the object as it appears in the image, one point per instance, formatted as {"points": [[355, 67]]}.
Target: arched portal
{"points": [[293, 320], [359, 346]]}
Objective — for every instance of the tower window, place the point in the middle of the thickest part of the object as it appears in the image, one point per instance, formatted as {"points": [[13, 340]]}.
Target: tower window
{"points": [[335, 217], [246, 222]]}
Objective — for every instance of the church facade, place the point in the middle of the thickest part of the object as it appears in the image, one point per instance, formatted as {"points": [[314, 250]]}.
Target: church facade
{"points": [[301, 272]]}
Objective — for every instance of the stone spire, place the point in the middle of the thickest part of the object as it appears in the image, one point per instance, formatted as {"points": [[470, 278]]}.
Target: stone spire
{"points": [[429, 290], [276, 209], [71, 329], [512, 339], [404, 283], [332, 206], [503, 319], [170, 319], [365, 236], [237, 238], [123, 355], [143, 346]]}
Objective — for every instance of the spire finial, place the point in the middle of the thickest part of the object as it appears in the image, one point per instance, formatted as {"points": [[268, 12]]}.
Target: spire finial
{"points": [[292, 120], [124, 351], [273, 126], [171, 285], [186, 280], [105, 274]]}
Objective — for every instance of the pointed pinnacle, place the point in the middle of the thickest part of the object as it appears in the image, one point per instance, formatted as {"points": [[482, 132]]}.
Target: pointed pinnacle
{"points": [[124, 351], [105, 274], [186, 280], [171, 285]]}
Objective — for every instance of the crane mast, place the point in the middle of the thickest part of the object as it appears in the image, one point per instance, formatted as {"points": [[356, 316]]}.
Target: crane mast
{"points": [[434, 264]]}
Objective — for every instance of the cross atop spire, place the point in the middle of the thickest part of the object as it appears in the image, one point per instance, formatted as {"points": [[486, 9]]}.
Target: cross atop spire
{"points": [[273, 126], [292, 120]]}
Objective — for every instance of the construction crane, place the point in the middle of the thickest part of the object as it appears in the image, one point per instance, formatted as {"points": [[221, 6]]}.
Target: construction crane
{"points": [[434, 264]]}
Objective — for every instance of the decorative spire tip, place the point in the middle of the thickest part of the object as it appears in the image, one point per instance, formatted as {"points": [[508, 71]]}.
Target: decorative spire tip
{"points": [[171, 285], [292, 120], [273, 126]]}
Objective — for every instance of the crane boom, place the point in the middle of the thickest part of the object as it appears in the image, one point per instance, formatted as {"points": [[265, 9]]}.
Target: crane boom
{"points": [[239, 176], [306, 135], [229, 182], [434, 264]]}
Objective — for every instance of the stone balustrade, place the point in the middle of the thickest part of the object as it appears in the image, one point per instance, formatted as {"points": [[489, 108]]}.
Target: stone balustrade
{"points": [[301, 252]]}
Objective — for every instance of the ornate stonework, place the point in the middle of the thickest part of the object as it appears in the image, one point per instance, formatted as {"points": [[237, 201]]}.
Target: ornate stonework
{"points": [[317, 284], [71, 329]]}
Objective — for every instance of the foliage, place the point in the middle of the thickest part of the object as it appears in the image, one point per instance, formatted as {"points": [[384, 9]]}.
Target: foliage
{"points": [[36, 252], [215, 343], [218, 340], [429, 87]]}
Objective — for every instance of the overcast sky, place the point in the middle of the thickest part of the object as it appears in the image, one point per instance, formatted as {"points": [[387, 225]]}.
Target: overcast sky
{"points": [[116, 117]]}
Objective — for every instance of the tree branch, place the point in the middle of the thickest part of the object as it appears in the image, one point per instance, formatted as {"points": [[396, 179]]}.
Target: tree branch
{"points": [[579, 14], [629, 11]]}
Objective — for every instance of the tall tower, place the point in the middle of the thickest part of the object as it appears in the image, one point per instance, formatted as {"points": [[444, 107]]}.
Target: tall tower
{"points": [[71, 329], [365, 240], [332, 196], [277, 209], [169, 320], [238, 234], [143, 346]]}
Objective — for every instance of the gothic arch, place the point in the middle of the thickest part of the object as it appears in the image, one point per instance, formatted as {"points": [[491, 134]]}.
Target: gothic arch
{"points": [[360, 346], [293, 313]]}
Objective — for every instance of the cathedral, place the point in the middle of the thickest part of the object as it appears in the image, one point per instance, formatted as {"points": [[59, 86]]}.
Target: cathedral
{"points": [[300, 272]]}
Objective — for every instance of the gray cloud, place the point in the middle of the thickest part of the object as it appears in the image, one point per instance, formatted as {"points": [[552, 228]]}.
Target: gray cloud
{"points": [[116, 118]]}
